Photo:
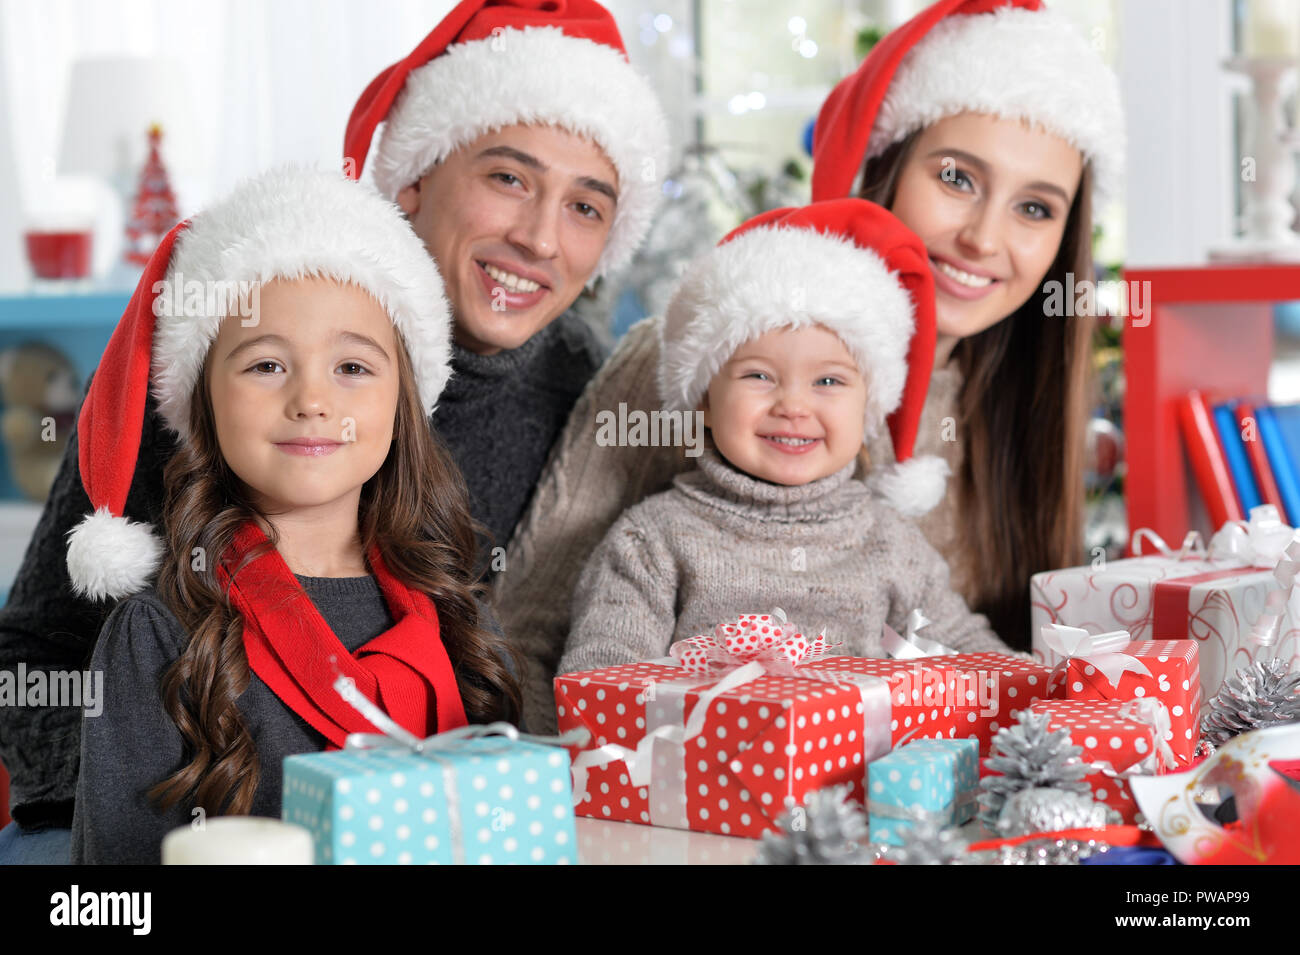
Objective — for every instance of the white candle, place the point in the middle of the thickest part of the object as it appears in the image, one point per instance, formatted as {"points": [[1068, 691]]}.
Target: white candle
{"points": [[1272, 28], [239, 840]]}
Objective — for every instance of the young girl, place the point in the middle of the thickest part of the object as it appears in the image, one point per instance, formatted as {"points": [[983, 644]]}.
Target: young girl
{"points": [[1018, 89], [795, 338], [296, 339]]}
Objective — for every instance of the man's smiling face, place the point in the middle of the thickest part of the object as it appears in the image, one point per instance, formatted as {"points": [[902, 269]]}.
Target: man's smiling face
{"points": [[517, 221]]}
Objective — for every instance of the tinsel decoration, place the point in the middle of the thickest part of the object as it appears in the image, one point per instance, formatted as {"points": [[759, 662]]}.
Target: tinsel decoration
{"points": [[1052, 810], [828, 829], [1259, 695], [1047, 851], [1029, 756]]}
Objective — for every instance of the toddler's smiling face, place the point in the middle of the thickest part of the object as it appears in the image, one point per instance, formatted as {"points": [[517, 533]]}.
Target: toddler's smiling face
{"points": [[789, 407]]}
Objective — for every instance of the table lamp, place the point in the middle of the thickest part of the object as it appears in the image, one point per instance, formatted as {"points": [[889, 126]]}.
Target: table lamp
{"points": [[112, 103]]}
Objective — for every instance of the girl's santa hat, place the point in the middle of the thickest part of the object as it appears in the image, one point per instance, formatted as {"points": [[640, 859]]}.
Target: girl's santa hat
{"points": [[1009, 58], [496, 63], [285, 224], [846, 264]]}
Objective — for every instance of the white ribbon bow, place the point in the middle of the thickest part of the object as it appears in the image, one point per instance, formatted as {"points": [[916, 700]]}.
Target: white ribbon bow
{"points": [[912, 646], [1101, 650]]}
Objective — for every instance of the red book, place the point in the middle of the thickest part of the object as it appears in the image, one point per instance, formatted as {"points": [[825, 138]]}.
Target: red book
{"points": [[1208, 461], [1254, 445]]}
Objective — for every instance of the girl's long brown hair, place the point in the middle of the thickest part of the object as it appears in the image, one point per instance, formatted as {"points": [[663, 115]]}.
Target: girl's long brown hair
{"points": [[1023, 413], [415, 509]]}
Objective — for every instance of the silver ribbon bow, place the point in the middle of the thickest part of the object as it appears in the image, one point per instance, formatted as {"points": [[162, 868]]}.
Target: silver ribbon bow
{"points": [[912, 646]]}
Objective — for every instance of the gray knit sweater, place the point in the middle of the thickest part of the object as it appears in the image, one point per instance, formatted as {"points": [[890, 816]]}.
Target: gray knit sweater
{"points": [[721, 543], [587, 485], [498, 417]]}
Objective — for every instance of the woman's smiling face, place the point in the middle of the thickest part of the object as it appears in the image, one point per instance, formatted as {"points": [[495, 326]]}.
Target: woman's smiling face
{"points": [[989, 197]]}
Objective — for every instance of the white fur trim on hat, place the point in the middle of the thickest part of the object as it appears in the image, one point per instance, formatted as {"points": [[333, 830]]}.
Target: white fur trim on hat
{"points": [[912, 487], [1015, 64], [539, 76], [110, 557], [777, 277], [290, 223]]}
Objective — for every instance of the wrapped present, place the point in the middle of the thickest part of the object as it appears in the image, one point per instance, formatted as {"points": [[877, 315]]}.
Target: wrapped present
{"points": [[1119, 740], [1234, 599], [920, 693], [982, 689], [478, 794], [1112, 667], [926, 779], [727, 733]]}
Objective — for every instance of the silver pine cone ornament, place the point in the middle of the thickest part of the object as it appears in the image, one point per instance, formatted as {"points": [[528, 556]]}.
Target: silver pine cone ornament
{"points": [[927, 843], [828, 829], [1029, 756], [1261, 694]]}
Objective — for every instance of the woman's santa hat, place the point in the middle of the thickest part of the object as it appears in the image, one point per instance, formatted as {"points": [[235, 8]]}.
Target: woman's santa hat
{"points": [[285, 224], [496, 63], [1008, 58], [846, 264]]}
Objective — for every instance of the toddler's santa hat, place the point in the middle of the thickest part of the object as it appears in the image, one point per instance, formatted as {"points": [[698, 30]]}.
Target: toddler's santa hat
{"points": [[1009, 58], [285, 224], [846, 264], [496, 63]]}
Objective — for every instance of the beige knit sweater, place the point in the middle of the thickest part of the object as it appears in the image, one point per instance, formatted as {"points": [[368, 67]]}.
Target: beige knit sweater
{"points": [[720, 543], [585, 487]]}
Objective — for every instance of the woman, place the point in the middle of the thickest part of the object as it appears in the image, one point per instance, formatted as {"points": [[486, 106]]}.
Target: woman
{"points": [[991, 130]]}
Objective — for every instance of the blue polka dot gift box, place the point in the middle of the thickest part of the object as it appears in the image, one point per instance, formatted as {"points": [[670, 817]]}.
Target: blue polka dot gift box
{"points": [[932, 778], [482, 801]]}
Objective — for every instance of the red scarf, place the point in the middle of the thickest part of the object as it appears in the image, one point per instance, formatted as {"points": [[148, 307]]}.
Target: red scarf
{"points": [[405, 670]]}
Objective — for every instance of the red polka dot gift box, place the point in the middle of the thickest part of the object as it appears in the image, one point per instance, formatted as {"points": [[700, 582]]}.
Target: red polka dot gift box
{"points": [[1166, 670], [724, 753], [1119, 739], [979, 690]]}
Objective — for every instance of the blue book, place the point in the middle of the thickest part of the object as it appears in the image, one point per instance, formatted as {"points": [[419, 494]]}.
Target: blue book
{"points": [[1279, 428], [1243, 476]]}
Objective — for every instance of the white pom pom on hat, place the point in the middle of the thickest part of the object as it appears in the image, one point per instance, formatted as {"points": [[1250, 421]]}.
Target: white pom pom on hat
{"points": [[846, 264], [288, 223]]}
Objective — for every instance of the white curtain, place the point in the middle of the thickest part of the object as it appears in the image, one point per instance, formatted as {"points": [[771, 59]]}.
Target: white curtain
{"points": [[270, 82]]}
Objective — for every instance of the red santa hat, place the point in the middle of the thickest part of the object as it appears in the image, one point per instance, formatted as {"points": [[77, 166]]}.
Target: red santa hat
{"points": [[285, 224], [1009, 58], [846, 264], [496, 63]]}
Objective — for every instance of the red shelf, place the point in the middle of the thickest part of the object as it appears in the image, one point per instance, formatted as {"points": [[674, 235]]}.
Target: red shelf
{"points": [[1208, 328]]}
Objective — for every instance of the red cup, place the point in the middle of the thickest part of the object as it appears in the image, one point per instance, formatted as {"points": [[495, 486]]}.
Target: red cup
{"points": [[60, 255]]}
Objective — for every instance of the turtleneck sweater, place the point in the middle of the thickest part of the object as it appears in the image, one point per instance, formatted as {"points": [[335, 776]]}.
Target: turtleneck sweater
{"points": [[500, 414], [721, 543]]}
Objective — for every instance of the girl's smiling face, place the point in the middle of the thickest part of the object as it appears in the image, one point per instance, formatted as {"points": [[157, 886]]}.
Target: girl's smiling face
{"points": [[989, 198], [789, 406], [304, 400]]}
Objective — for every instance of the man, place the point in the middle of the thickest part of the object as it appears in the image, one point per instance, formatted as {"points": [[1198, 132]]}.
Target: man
{"points": [[527, 154]]}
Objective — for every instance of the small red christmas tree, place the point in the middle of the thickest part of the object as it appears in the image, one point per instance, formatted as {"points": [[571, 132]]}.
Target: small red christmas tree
{"points": [[154, 210]]}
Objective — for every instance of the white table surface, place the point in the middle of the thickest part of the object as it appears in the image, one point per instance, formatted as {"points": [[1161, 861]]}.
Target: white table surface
{"points": [[601, 842]]}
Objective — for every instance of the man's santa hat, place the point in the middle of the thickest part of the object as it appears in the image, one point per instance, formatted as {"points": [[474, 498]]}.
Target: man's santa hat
{"points": [[1008, 58], [285, 224], [496, 63], [846, 264]]}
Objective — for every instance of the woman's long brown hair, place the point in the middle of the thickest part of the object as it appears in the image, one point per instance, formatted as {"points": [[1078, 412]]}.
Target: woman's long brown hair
{"points": [[1023, 413], [415, 509]]}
